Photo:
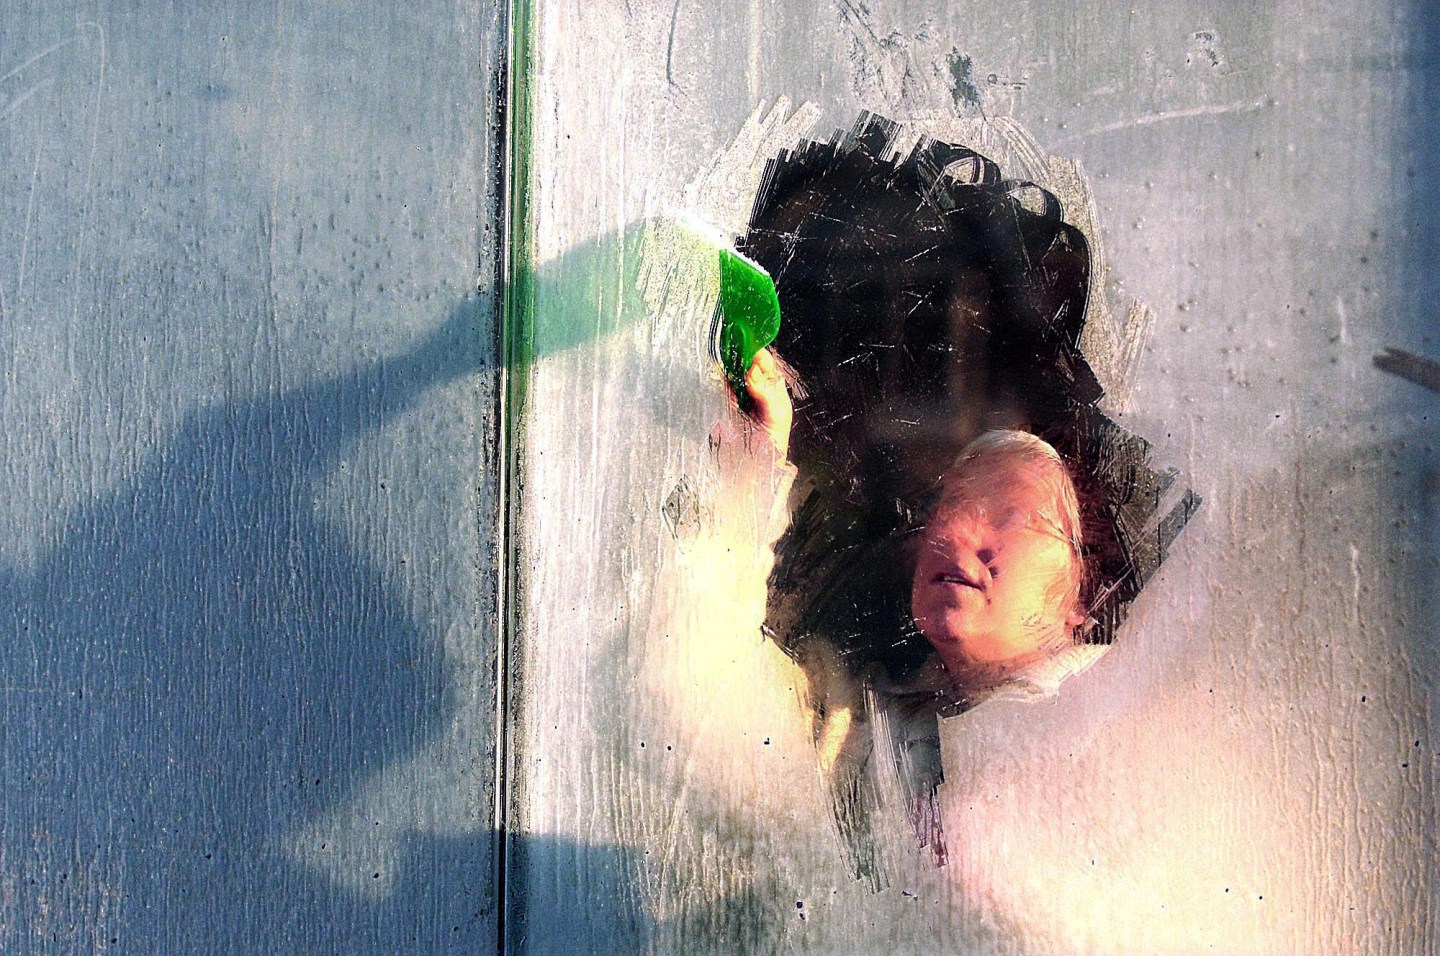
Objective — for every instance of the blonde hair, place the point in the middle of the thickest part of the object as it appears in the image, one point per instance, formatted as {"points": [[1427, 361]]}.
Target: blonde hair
{"points": [[1009, 445]]}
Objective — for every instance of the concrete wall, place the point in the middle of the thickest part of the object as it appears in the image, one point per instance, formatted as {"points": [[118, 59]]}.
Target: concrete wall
{"points": [[248, 477]]}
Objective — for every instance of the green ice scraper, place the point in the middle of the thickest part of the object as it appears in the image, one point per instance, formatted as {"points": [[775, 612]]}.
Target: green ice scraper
{"points": [[748, 317]]}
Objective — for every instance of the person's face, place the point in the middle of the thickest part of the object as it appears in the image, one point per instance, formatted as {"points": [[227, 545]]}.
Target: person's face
{"points": [[993, 570]]}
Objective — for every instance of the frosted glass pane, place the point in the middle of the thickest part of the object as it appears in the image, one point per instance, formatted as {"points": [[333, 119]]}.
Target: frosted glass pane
{"points": [[1249, 768]]}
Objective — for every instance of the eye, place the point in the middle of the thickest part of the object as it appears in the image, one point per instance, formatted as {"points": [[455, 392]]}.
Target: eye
{"points": [[1008, 518]]}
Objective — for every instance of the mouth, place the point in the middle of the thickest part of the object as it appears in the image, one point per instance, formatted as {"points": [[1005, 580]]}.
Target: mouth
{"points": [[958, 577]]}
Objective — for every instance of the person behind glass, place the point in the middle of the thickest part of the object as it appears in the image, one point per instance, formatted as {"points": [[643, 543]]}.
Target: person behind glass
{"points": [[997, 565], [927, 300], [995, 589], [995, 571]]}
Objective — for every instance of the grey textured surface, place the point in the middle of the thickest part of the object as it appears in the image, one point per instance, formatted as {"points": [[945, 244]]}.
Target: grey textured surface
{"points": [[1252, 768], [247, 491], [248, 479]]}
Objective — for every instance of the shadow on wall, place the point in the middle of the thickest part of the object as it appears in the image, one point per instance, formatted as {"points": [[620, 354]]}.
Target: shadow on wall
{"points": [[200, 665]]}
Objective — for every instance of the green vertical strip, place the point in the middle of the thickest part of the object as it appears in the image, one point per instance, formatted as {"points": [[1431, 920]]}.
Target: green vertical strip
{"points": [[517, 344]]}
